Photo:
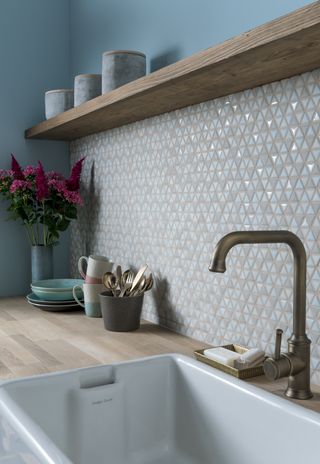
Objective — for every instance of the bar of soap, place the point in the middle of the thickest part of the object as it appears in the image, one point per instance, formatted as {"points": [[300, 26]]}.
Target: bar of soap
{"points": [[222, 355], [250, 358]]}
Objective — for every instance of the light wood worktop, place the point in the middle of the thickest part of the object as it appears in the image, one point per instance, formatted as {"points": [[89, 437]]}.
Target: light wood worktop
{"points": [[33, 341]]}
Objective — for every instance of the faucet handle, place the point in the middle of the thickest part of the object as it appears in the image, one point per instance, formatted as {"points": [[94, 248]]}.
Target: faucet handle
{"points": [[277, 350], [280, 365]]}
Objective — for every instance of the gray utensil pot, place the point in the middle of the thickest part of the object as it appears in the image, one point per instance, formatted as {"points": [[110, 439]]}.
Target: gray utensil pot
{"points": [[41, 262], [58, 101], [120, 67], [121, 314], [86, 87]]}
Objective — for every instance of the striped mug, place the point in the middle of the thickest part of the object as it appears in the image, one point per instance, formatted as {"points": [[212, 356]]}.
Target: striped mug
{"points": [[96, 267], [91, 298]]}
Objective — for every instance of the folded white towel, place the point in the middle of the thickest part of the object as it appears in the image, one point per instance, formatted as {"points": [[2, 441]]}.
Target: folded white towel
{"points": [[222, 355]]}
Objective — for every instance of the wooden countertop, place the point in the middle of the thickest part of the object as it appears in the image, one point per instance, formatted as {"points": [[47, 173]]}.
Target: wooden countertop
{"points": [[33, 341]]}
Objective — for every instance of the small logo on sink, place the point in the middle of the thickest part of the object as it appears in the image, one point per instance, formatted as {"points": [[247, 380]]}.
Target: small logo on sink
{"points": [[98, 402]]}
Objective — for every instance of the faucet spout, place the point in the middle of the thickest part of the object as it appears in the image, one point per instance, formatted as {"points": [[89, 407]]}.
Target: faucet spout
{"points": [[298, 344], [218, 264]]}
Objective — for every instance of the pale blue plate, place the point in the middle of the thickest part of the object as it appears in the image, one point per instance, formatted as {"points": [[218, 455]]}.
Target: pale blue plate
{"points": [[54, 305], [56, 289], [33, 298]]}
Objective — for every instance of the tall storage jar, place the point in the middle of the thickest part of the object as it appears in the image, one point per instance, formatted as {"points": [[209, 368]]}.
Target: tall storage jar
{"points": [[120, 67], [86, 87], [58, 101]]}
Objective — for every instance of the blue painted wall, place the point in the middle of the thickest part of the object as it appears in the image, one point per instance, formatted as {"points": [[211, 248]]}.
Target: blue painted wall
{"points": [[34, 53], [166, 30], [44, 43]]}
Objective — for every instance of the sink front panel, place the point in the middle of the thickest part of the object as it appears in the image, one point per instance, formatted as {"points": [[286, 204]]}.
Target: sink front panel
{"points": [[161, 410]]}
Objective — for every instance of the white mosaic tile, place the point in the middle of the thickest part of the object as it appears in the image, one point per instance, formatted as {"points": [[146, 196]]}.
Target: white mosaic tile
{"points": [[165, 190]]}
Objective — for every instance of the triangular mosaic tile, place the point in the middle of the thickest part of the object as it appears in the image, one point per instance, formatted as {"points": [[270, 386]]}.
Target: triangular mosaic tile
{"points": [[165, 190]]}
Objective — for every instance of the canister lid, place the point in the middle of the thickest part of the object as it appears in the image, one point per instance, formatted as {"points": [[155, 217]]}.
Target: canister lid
{"points": [[125, 52], [59, 90], [88, 75]]}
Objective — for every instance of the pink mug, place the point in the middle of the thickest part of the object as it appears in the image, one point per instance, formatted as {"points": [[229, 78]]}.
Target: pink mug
{"points": [[97, 266]]}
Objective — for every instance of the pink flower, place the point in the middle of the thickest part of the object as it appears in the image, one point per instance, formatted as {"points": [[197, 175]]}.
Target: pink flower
{"points": [[20, 185], [73, 183], [29, 171], [54, 175], [3, 173], [41, 183], [58, 185], [61, 188], [73, 197], [16, 168]]}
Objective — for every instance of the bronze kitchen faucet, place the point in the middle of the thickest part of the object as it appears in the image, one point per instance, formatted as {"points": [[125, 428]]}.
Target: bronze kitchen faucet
{"points": [[295, 364]]}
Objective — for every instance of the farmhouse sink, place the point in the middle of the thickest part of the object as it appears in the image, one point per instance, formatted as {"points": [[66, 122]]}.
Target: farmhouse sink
{"points": [[166, 409]]}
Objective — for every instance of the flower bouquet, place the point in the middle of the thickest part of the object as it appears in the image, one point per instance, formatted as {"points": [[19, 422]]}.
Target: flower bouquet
{"points": [[45, 202]]}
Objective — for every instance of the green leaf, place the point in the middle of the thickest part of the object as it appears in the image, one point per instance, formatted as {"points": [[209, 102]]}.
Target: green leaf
{"points": [[72, 212], [63, 225], [49, 221]]}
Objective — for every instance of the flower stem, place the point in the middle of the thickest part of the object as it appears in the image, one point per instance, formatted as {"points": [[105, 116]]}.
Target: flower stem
{"points": [[44, 226], [37, 232], [28, 233], [33, 236]]}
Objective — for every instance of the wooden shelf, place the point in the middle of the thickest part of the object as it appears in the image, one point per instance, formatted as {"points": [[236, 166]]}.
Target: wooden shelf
{"points": [[279, 49]]}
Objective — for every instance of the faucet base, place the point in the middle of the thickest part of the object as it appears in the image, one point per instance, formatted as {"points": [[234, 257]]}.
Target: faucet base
{"points": [[299, 378], [298, 394]]}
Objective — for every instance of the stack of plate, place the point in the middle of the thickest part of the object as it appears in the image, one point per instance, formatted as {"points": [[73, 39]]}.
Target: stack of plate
{"points": [[55, 294]]}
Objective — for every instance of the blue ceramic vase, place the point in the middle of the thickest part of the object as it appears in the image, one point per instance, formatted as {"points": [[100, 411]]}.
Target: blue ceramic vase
{"points": [[41, 262]]}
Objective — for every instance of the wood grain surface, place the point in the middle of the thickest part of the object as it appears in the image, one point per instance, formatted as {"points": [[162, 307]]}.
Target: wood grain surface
{"points": [[282, 48], [33, 342]]}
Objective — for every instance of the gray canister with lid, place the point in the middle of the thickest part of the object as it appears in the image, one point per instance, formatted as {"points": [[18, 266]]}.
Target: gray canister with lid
{"points": [[120, 67], [58, 101], [86, 87]]}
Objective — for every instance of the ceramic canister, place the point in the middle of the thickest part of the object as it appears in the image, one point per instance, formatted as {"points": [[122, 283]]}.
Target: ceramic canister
{"points": [[120, 67], [91, 298], [97, 266], [86, 87], [58, 101]]}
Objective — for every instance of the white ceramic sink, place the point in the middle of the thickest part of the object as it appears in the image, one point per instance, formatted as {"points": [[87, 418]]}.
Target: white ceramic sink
{"points": [[161, 410]]}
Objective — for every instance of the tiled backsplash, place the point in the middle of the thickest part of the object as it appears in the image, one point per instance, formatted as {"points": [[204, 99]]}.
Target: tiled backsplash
{"points": [[165, 190]]}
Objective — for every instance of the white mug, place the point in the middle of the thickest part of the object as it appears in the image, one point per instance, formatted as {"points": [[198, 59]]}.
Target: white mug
{"points": [[97, 266], [91, 298]]}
